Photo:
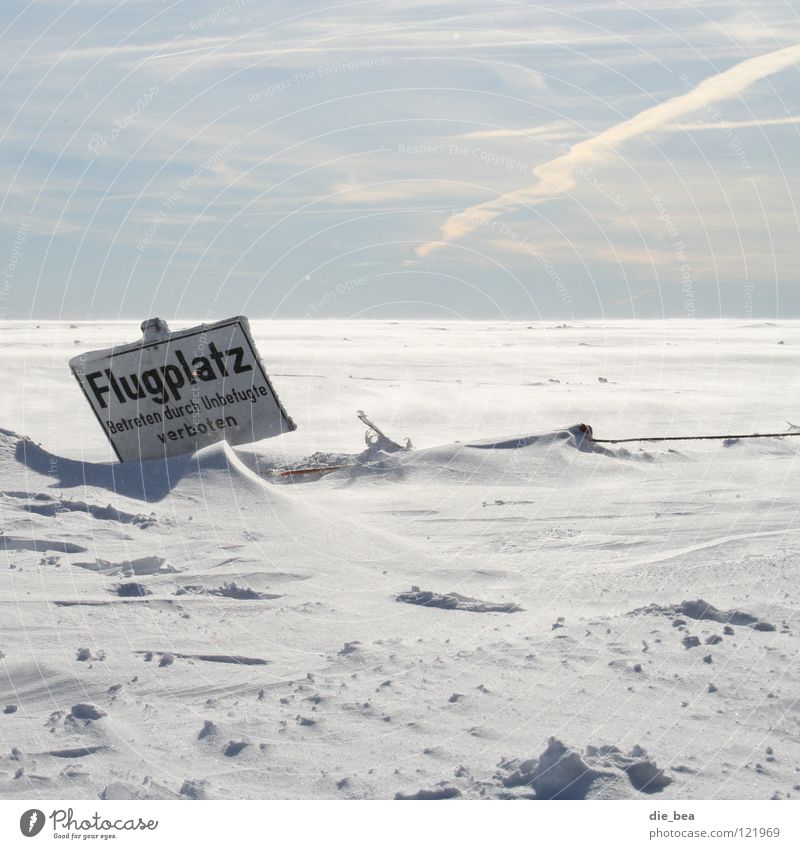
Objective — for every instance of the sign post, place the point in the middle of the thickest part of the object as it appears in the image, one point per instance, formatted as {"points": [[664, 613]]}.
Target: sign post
{"points": [[171, 393]]}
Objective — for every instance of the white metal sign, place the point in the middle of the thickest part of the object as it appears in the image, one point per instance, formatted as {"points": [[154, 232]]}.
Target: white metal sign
{"points": [[171, 393]]}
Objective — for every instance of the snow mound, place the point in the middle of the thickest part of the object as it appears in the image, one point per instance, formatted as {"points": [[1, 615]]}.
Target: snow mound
{"points": [[444, 791], [564, 773], [455, 601], [700, 609], [150, 564]]}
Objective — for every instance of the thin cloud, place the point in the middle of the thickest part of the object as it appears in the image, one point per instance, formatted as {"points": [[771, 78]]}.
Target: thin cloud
{"points": [[734, 125], [557, 175], [559, 129]]}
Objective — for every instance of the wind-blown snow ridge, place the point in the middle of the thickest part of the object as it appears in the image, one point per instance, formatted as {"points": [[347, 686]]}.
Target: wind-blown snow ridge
{"points": [[147, 480], [524, 457], [578, 436], [153, 480]]}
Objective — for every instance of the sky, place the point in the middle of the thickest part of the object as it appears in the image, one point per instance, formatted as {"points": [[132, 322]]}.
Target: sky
{"points": [[381, 159]]}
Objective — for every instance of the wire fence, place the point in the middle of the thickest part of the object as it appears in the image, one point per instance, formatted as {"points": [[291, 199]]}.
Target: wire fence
{"points": [[685, 438]]}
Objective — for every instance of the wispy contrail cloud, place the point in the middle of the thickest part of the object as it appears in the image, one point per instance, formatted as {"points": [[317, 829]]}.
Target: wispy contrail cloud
{"points": [[557, 175]]}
